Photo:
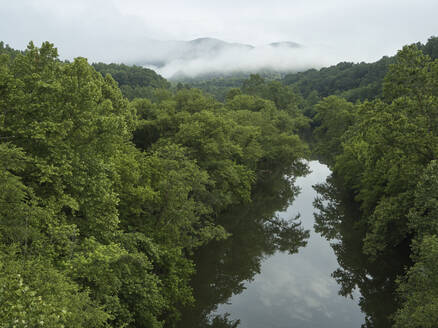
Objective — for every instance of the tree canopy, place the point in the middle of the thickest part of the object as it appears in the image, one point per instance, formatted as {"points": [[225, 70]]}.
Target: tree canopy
{"points": [[106, 199]]}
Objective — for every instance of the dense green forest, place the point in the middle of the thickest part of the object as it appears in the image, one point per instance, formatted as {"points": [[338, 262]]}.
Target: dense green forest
{"points": [[219, 85], [360, 81], [111, 180], [103, 200]]}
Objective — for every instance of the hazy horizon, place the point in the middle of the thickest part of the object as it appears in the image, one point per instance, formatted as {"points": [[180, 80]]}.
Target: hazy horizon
{"points": [[128, 31], [256, 59]]}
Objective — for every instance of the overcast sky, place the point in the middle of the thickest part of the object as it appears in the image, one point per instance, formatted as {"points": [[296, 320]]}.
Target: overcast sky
{"points": [[112, 30]]}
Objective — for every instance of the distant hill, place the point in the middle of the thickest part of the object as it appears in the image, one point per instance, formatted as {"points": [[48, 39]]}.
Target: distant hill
{"points": [[165, 52], [353, 81], [181, 59], [286, 44], [218, 85], [217, 45], [134, 81]]}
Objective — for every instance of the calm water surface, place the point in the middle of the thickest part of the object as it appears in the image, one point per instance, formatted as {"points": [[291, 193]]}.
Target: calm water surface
{"points": [[248, 279], [297, 290]]}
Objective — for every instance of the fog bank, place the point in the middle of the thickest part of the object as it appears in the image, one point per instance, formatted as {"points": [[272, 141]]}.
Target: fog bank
{"points": [[206, 56]]}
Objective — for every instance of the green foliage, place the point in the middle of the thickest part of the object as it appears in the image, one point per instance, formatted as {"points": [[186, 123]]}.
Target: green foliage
{"points": [[7, 50], [283, 97], [70, 147], [431, 47], [414, 75], [66, 130], [291, 107], [219, 85], [424, 213], [134, 81], [352, 81], [419, 289], [35, 294], [387, 150], [230, 143], [334, 115]]}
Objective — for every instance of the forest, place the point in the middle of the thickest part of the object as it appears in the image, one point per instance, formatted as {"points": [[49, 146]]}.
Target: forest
{"points": [[113, 179]]}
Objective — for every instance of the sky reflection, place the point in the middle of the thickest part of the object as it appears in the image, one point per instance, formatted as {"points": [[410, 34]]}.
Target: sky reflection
{"points": [[297, 290]]}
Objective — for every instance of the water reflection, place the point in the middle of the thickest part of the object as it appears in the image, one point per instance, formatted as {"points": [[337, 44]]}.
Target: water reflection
{"points": [[338, 221], [264, 286], [298, 290], [224, 266]]}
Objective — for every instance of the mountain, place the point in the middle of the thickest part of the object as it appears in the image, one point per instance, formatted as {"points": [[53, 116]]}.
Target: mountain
{"points": [[164, 52], [210, 47], [180, 58], [285, 44], [216, 44]]}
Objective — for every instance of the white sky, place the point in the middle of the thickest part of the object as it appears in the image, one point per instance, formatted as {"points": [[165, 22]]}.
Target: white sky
{"points": [[113, 30]]}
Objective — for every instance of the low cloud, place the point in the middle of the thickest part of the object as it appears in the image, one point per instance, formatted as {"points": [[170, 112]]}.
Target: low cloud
{"points": [[225, 58]]}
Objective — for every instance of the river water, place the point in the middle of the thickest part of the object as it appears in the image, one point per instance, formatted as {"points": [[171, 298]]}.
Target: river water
{"points": [[250, 281]]}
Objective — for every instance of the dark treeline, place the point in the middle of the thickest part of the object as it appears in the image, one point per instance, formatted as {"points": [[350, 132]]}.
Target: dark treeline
{"points": [[134, 81], [349, 80], [104, 200], [361, 81], [219, 85]]}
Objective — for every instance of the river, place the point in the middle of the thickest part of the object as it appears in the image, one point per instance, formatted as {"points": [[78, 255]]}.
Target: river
{"points": [[249, 281]]}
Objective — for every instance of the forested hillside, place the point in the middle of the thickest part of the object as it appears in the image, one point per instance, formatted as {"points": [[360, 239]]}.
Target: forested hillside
{"points": [[352, 81], [134, 81], [219, 85], [349, 80], [361, 81]]}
